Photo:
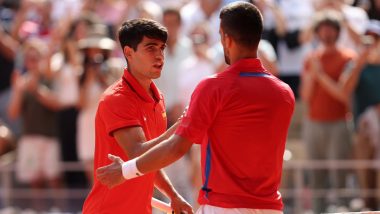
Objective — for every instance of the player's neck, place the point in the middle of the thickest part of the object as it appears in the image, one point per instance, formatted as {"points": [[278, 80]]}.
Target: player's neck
{"points": [[242, 55], [142, 80], [145, 83]]}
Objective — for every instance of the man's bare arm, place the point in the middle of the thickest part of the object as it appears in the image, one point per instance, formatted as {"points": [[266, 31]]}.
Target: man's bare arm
{"points": [[133, 142], [163, 154], [156, 158]]}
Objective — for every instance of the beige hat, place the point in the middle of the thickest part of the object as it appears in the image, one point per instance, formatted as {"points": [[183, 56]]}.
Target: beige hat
{"points": [[97, 39]]}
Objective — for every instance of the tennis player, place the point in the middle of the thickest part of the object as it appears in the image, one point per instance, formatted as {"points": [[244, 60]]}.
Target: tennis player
{"points": [[239, 116], [130, 120]]}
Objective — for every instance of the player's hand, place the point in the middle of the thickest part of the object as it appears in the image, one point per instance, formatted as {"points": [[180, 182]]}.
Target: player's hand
{"points": [[111, 175], [180, 206]]}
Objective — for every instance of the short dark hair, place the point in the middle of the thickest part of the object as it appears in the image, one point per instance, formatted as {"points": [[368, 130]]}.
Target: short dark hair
{"points": [[327, 17], [173, 11], [132, 32], [243, 22]]}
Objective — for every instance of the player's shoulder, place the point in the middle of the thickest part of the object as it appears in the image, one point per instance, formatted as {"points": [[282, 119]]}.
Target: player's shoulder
{"points": [[117, 93], [286, 90], [212, 86], [211, 82]]}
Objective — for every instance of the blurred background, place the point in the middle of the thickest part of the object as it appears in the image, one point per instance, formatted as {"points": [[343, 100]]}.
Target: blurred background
{"points": [[57, 57]]}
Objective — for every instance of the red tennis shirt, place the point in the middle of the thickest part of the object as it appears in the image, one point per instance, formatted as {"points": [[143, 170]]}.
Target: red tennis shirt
{"points": [[240, 117], [124, 104]]}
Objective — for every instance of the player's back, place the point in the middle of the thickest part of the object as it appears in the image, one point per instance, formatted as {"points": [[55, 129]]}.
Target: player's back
{"points": [[247, 137]]}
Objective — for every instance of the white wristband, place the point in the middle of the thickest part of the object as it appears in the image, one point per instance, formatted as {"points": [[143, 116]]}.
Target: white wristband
{"points": [[130, 170]]}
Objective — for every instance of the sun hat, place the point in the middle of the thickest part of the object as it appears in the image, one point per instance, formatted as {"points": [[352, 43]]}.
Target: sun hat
{"points": [[97, 38]]}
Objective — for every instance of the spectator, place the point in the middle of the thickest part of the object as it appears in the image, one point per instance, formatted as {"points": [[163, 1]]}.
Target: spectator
{"points": [[97, 48], [142, 9], [111, 11], [179, 48], [291, 48], [267, 55], [8, 49], [275, 23], [198, 66], [353, 22], [202, 11], [326, 133], [366, 111], [65, 70], [34, 20], [38, 153]]}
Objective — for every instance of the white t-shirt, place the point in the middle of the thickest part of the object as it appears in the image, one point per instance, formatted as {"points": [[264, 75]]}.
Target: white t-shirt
{"points": [[358, 20], [298, 14], [66, 81], [192, 71], [192, 15], [268, 50]]}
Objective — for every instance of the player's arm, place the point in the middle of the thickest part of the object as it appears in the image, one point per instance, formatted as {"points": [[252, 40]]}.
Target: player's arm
{"points": [[133, 142], [156, 158], [163, 154]]}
